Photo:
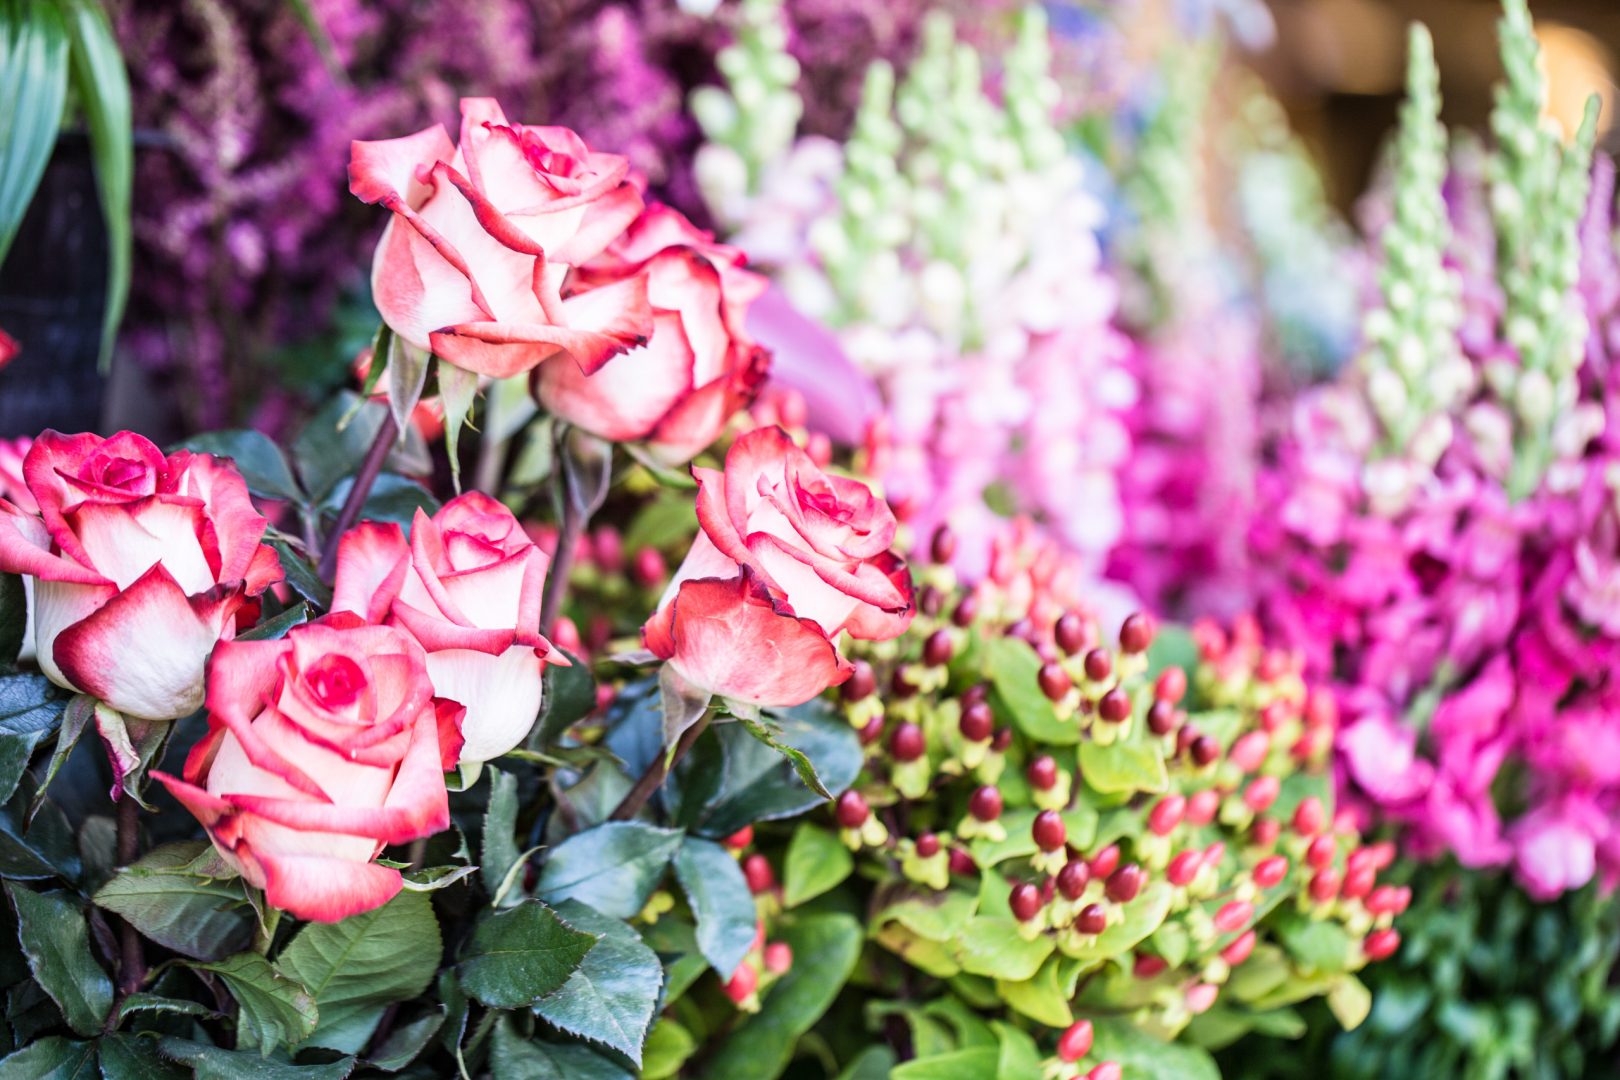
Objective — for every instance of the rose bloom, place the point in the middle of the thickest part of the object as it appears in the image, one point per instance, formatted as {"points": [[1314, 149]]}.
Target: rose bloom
{"points": [[476, 263], [676, 392], [322, 748], [468, 587], [140, 563], [12, 485], [788, 558]]}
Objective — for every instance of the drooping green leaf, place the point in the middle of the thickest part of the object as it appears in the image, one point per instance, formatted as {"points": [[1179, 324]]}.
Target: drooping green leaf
{"points": [[1018, 1055], [80, 709], [56, 941], [1014, 675], [274, 629], [668, 1046], [993, 947], [611, 998], [407, 374], [681, 704], [767, 732], [357, 967], [762, 786], [52, 1058], [978, 1063], [275, 1011], [1042, 998], [761, 1047], [1141, 1055], [34, 49], [169, 898], [257, 458], [1350, 1002], [721, 903], [13, 618], [613, 867], [518, 956], [144, 1002], [500, 850], [569, 697], [816, 862], [517, 1058], [1123, 767], [30, 710], [213, 1063], [130, 1057], [458, 388], [935, 916]]}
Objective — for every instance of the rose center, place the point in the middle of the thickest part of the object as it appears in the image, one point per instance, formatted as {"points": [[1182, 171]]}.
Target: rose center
{"points": [[335, 681], [121, 474]]}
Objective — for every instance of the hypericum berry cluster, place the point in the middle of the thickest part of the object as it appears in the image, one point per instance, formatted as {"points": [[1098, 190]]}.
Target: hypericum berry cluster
{"points": [[1145, 821]]}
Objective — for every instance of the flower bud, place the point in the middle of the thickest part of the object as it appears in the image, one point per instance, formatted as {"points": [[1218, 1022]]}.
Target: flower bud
{"points": [[1104, 862], [1042, 773], [1381, 944], [1108, 1070], [1167, 814], [1321, 852], [741, 838], [861, 684], [742, 983], [961, 862], [778, 957], [1136, 634], [759, 875], [1073, 878], [1233, 916], [1184, 867], [1055, 682], [1240, 948], [1125, 883], [1093, 919], [977, 723], [1099, 664], [928, 845], [1115, 706], [1070, 633], [1309, 816], [1270, 871], [852, 810], [1324, 885], [906, 742], [1261, 793], [1171, 685], [938, 648]]}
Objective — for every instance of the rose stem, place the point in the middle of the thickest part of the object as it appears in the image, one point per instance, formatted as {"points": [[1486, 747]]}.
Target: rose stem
{"points": [[574, 517], [369, 468], [132, 959], [655, 772]]}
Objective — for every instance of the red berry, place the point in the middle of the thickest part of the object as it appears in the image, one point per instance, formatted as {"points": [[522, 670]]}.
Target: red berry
{"points": [[1099, 664], [1274, 714], [1042, 773], [1201, 998], [938, 648], [930, 601], [1167, 814], [1215, 853], [1108, 1070], [962, 862], [1001, 739], [1184, 867], [1185, 737], [1321, 852], [966, 611], [1104, 862], [1202, 806], [1249, 751], [778, 957], [1137, 633], [1049, 831], [861, 684], [1233, 916], [1270, 871], [1072, 879], [943, 548], [985, 803], [872, 731], [1309, 816], [1075, 1043], [1161, 717], [742, 983], [1321, 710], [1093, 919], [1146, 965], [1325, 885], [1240, 948], [1384, 900], [1114, 706], [1171, 686], [1274, 664], [852, 810], [1358, 882], [1264, 832], [1125, 883], [928, 845], [1025, 901], [1071, 633], [757, 871], [1205, 750], [1210, 639], [1055, 682], [649, 567], [1262, 792], [900, 686], [1381, 944], [977, 722], [906, 742], [741, 838]]}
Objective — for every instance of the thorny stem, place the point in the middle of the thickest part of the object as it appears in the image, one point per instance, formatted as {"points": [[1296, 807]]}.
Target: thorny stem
{"points": [[655, 772], [387, 432], [132, 954]]}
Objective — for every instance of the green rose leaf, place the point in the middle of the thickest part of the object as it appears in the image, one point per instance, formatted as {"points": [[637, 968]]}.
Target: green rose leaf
{"points": [[500, 850], [721, 903], [520, 955], [515, 1058], [130, 1057], [763, 786], [213, 1063], [169, 897], [257, 458], [611, 997], [357, 967], [407, 1041], [276, 628], [30, 709], [569, 696], [56, 942], [1123, 767], [816, 862], [613, 867], [761, 1047], [52, 1058], [275, 1010]]}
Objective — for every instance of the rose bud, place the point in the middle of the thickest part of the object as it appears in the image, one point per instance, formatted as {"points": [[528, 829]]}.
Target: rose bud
{"points": [[322, 748], [743, 618], [743, 982], [1184, 867], [860, 685], [928, 845], [741, 838], [1167, 814], [140, 565], [1093, 919], [1107, 1070], [1073, 878], [1070, 632], [977, 723], [906, 742], [1104, 862], [1249, 751], [1049, 831], [942, 548], [1042, 772], [1055, 682], [1114, 706], [1075, 1042], [1309, 816], [1321, 852], [985, 803], [1025, 901], [1146, 966], [1270, 871], [1171, 686], [1136, 634], [1099, 664], [1125, 883], [852, 810], [1202, 806], [961, 862], [778, 957], [1233, 916], [759, 875], [1240, 948], [1381, 944], [1261, 793], [1324, 885], [1161, 718]]}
